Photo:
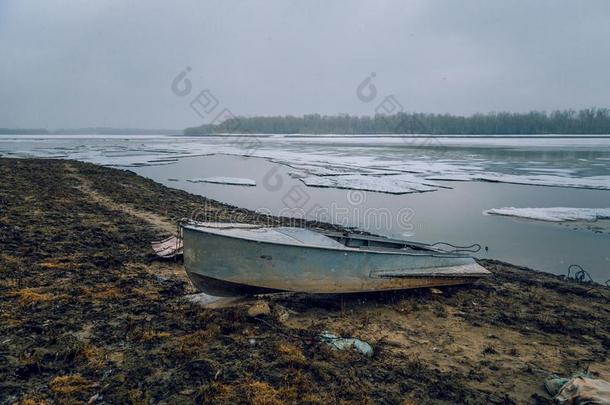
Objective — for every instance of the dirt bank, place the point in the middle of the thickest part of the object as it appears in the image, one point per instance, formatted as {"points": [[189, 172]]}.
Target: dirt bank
{"points": [[88, 314]]}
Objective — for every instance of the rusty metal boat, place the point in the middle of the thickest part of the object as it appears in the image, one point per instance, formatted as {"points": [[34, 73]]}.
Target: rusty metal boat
{"points": [[228, 259]]}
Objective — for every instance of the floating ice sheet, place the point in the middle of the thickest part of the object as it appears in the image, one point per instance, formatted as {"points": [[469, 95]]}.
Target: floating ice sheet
{"points": [[554, 214], [463, 158], [594, 182], [398, 184]]}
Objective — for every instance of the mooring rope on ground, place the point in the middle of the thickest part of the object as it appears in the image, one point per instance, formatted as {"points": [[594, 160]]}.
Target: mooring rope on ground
{"points": [[580, 276]]}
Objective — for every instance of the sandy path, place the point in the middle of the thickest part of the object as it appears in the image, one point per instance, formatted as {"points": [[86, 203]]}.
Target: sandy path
{"points": [[86, 187]]}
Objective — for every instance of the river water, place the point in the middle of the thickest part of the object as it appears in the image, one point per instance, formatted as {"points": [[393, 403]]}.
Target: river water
{"points": [[451, 211]]}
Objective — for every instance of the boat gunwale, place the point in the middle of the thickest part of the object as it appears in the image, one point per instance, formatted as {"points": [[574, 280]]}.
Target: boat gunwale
{"points": [[345, 249]]}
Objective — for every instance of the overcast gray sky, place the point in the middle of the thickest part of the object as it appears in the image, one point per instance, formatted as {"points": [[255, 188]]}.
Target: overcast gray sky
{"points": [[111, 63]]}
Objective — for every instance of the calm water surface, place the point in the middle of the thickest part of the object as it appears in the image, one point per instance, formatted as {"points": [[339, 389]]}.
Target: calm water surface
{"points": [[453, 215]]}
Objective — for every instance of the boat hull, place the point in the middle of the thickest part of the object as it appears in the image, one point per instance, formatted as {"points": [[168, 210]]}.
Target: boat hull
{"points": [[227, 266]]}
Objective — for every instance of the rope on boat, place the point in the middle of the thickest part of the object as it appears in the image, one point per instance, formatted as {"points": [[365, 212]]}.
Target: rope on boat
{"points": [[474, 248]]}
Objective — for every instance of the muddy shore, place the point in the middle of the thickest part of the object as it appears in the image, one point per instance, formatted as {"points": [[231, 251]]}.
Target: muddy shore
{"points": [[88, 314]]}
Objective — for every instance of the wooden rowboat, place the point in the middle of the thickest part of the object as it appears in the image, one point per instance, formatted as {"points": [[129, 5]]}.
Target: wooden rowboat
{"points": [[227, 259]]}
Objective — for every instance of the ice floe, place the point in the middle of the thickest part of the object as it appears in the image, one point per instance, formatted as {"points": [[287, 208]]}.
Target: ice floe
{"points": [[234, 181], [593, 182], [398, 184], [553, 214], [352, 158]]}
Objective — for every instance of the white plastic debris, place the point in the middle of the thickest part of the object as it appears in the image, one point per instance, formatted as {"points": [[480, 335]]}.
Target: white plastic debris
{"points": [[211, 301], [581, 388], [340, 343]]}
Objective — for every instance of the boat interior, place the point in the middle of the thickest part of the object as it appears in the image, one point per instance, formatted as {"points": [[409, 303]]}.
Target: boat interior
{"points": [[332, 239], [371, 242]]}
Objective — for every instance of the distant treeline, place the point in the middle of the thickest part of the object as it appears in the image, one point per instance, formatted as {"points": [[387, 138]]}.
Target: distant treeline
{"points": [[587, 121], [23, 131]]}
